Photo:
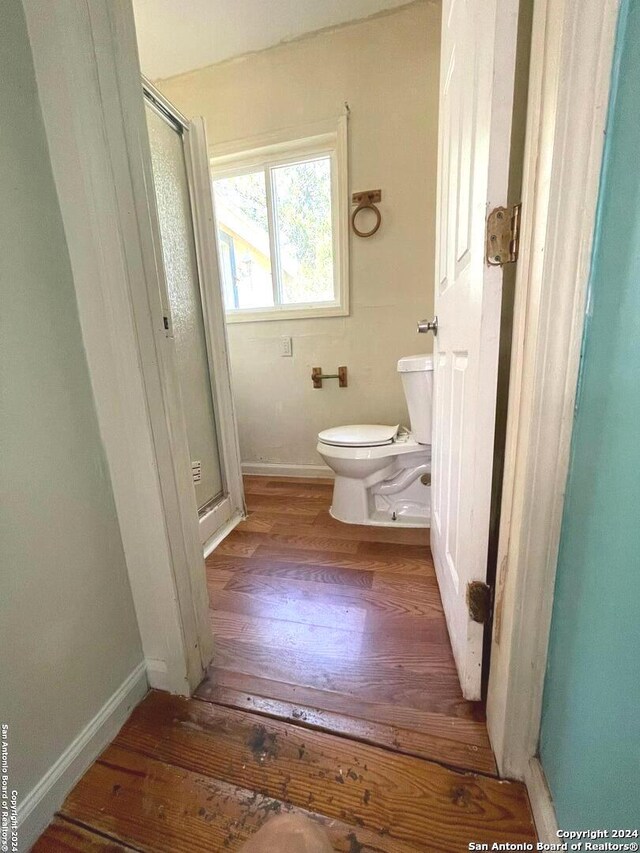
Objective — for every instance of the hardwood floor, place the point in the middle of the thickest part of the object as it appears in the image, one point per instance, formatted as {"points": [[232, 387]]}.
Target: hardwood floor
{"points": [[187, 775], [333, 694], [339, 627]]}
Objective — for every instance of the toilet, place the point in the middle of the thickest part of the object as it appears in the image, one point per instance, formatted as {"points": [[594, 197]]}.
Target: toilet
{"points": [[383, 473]]}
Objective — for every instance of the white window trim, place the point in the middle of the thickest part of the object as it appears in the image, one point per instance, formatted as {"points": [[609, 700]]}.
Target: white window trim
{"points": [[294, 146]]}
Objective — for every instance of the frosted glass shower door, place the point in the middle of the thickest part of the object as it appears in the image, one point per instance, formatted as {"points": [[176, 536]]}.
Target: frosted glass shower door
{"points": [[185, 304]]}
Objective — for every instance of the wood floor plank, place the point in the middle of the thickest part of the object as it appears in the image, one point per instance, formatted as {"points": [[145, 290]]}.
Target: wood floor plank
{"points": [[287, 504], [321, 611], [350, 648], [276, 567], [272, 518], [394, 582], [464, 720], [217, 579], [436, 691], [401, 535], [380, 535], [61, 836], [298, 539], [235, 546], [160, 807], [408, 799], [433, 739], [272, 589], [328, 611], [299, 489], [422, 570], [395, 551], [259, 523]]}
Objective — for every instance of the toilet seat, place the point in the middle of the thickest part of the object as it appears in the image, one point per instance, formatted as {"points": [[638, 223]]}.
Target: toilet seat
{"points": [[359, 435], [407, 444]]}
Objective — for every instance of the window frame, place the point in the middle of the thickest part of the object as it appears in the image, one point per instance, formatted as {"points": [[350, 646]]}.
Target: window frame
{"points": [[287, 148]]}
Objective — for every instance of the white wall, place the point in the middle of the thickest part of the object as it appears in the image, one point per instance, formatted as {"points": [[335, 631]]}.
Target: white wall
{"points": [[387, 69], [68, 630]]}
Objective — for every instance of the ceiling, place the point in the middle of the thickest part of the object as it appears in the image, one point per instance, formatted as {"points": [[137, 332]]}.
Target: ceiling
{"points": [[175, 36]]}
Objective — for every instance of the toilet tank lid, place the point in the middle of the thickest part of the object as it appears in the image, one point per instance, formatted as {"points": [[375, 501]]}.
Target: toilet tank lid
{"points": [[415, 363], [359, 435]]}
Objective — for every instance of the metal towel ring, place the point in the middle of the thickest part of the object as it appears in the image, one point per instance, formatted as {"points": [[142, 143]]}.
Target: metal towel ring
{"points": [[366, 201]]}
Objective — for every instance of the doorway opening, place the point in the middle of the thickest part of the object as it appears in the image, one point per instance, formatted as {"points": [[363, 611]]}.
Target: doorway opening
{"points": [[326, 599]]}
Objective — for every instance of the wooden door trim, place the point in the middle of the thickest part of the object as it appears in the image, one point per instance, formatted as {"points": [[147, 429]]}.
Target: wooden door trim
{"points": [[89, 83], [569, 83]]}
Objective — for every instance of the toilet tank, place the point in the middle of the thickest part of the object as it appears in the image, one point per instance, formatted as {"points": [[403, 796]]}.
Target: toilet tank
{"points": [[416, 372]]}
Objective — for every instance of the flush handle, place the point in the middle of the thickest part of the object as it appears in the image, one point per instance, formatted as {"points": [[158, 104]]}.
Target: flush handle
{"points": [[425, 326]]}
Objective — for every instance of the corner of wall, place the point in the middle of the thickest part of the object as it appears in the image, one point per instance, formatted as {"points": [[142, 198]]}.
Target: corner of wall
{"points": [[40, 804]]}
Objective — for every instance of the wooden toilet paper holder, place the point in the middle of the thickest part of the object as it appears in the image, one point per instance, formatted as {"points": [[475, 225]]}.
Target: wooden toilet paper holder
{"points": [[317, 376]]}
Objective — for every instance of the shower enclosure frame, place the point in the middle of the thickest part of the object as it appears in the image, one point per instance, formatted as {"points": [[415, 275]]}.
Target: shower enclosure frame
{"points": [[214, 520]]}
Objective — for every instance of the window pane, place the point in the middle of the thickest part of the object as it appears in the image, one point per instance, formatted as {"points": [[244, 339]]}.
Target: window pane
{"points": [[243, 238], [304, 231]]}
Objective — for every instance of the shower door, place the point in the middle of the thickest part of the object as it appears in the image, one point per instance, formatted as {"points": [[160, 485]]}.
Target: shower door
{"points": [[185, 308]]}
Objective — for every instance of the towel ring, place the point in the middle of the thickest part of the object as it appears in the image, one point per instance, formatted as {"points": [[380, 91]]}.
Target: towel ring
{"points": [[366, 201]]}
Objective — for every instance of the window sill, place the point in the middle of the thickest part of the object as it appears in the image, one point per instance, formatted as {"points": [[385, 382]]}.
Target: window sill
{"points": [[293, 313]]}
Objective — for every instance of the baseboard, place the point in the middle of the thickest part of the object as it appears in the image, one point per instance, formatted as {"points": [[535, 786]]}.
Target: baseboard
{"points": [[40, 804], [276, 469], [544, 813]]}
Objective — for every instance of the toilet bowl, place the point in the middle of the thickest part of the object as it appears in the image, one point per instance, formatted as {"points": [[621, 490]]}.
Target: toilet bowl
{"points": [[383, 473]]}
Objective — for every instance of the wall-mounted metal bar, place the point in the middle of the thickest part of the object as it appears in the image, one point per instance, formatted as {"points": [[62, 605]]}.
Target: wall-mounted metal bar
{"points": [[317, 376]]}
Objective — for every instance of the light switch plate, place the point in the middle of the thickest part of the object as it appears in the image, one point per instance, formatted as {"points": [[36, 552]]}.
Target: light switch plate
{"points": [[286, 347], [196, 471]]}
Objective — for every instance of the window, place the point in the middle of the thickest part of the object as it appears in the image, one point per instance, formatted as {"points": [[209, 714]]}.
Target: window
{"points": [[282, 228]]}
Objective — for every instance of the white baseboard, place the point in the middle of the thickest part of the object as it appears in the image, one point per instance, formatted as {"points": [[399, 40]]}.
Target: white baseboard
{"points": [[159, 678], [544, 813], [277, 469], [40, 804]]}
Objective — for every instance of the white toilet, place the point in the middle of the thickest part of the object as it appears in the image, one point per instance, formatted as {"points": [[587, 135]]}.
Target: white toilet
{"points": [[383, 473]]}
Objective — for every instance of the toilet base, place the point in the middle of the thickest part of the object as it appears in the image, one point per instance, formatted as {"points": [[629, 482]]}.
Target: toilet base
{"points": [[364, 501], [380, 518]]}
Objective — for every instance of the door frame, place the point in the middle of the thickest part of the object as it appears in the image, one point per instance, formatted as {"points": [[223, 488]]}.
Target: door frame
{"points": [[89, 84], [569, 83], [95, 128]]}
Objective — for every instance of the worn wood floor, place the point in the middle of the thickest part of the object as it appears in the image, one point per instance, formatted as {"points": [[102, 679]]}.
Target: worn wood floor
{"points": [[333, 693], [338, 626]]}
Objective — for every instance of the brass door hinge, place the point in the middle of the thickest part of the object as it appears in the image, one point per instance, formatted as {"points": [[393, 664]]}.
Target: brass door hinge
{"points": [[479, 601], [503, 235]]}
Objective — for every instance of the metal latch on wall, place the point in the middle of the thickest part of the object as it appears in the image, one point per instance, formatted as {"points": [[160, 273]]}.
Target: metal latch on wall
{"points": [[479, 601], [503, 235]]}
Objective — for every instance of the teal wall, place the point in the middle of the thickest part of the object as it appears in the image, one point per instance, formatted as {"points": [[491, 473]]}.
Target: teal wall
{"points": [[590, 737]]}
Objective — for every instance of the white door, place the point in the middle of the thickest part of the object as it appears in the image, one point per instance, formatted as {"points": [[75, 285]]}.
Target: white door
{"points": [[476, 99]]}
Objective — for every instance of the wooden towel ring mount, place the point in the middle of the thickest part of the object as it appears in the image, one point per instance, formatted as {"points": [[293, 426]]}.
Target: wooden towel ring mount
{"points": [[366, 201]]}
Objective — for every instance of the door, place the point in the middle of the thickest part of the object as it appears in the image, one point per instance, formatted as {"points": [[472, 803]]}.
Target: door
{"points": [[476, 101], [178, 155]]}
